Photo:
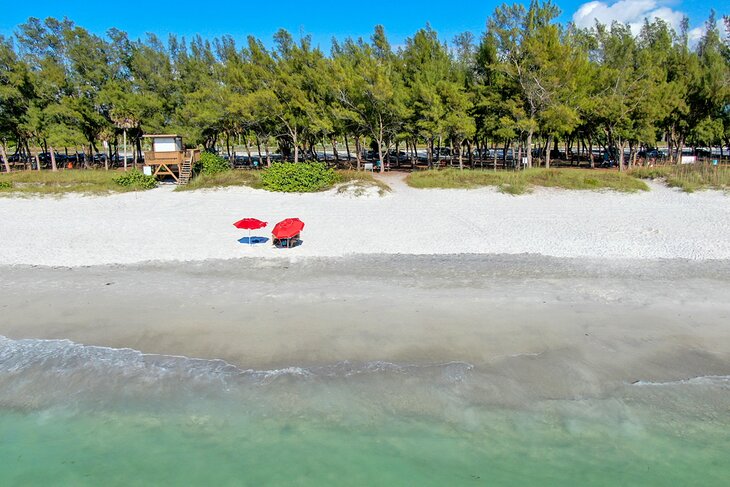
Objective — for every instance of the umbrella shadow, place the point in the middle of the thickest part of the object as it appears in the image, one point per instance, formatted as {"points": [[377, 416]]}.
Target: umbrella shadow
{"points": [[253, 240]]}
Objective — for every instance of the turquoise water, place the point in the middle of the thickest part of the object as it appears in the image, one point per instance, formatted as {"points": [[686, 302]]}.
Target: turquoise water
{"points": [[75, 415]]}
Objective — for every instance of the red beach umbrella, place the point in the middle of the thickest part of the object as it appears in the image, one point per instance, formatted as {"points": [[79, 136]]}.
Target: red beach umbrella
{"points": [[249, 224], [288, 228]]}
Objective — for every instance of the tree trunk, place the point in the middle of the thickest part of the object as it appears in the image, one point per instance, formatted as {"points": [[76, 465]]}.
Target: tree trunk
{"points": [[347, 148], [381, 162], [632, 154], [529, 147], [429, 152], [680, 149], [461, 162], [6, 163], [54, 168], [248, 150], [381, 140], [295, 141], [358, 152], [258, 148], [494, 145], [268, 155], [621, 156], [138, 150], [334, 150], [547, 153], [590, 152]]}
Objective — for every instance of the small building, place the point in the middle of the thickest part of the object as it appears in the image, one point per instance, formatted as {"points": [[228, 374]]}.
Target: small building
{"points": [[169, 157]]}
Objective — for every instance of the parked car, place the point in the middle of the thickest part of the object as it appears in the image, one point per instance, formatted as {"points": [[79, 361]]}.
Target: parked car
{"points": [[99, 158], [703, 152], [45, 159], [398, 156]]}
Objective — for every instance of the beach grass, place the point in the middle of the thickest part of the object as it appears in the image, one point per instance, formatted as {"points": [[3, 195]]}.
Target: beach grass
{"points": [[225, 179], [40, 183], [345, 180], [358, 182], [688, 177], [520, 182]]}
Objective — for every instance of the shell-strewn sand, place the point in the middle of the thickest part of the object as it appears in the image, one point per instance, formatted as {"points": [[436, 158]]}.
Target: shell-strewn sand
{"points": [[162, 225]]}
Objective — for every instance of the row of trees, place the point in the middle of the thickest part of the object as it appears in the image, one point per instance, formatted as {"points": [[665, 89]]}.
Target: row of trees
{"points": [[527, 82]]}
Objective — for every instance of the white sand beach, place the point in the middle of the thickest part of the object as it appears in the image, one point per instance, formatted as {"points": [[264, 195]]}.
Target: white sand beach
{"points": [[620, 287], [163, 225], [616, 335]]}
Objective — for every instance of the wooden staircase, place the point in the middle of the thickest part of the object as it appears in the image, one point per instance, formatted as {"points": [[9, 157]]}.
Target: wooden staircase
{"points": [[186, 168]]}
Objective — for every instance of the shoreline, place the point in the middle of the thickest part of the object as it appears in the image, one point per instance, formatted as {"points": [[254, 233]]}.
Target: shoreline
{"points": [[559, 326]]}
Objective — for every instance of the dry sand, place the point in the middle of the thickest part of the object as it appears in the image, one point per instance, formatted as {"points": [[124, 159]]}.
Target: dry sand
{"points": [[162, 225]]}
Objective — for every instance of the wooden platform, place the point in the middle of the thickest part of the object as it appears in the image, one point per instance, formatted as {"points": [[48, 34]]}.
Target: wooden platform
{"points": [[178, 165]]}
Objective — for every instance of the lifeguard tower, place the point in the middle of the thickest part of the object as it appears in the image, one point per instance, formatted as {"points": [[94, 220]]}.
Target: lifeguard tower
{"points": [[168, 157]]}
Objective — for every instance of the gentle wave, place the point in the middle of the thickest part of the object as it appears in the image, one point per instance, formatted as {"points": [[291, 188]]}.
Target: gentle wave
{"points": [[39, 374], [702, 380], [58, 355]]}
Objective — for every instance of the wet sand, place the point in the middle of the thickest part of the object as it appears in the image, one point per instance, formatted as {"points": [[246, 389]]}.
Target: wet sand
{"points": [[561, 327]]}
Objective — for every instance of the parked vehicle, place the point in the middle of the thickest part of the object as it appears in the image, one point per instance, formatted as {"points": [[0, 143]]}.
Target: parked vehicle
{"points": [[649, 154], [398, 156]]}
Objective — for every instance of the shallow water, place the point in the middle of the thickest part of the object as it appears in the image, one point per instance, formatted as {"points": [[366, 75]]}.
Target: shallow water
{"points": [[79, 415]]}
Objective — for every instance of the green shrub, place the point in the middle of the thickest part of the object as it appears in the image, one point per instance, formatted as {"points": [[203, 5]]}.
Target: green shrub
{"points": [[136, 179], [298, 178], [212, 164], [6, 185]]}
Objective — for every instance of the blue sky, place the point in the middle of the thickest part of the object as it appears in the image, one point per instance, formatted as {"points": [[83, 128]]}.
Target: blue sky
{"points": [[325, 18]]}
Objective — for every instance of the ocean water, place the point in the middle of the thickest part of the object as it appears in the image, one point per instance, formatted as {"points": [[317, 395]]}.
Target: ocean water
{"points": [[79, 415]]}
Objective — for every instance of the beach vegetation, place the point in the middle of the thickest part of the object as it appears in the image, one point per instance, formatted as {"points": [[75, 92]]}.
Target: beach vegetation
{"points": [[359, 183], [688, 177], [298, 178], [520, 182], [224, 179], [136, 179], [211, 164], [87, 182]]}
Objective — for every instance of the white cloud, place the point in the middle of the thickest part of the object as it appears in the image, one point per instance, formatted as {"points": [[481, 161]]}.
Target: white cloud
{"points": [[632, 12], [696, 34]]}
